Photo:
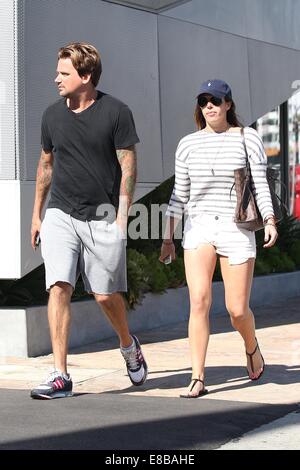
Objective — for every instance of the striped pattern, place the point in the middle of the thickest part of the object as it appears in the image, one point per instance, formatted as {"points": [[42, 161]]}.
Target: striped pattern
{"points": [[58, 383], [197, 190]]}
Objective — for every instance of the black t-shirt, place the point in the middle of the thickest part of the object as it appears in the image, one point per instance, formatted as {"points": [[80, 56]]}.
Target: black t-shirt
{"points": [[86, 171]]}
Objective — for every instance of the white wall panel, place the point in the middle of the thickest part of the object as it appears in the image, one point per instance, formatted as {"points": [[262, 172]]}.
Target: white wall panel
{"points": [[127, 41], [188, 55], [7, 89], [29, 259], [16, 255], [10, 233]]}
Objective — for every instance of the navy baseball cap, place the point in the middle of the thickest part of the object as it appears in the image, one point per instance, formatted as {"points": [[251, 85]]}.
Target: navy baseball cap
{"points": [[217, 88]]}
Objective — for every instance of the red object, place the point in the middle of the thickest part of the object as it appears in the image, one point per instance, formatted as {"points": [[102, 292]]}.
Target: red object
{"points": [[296, 211]]}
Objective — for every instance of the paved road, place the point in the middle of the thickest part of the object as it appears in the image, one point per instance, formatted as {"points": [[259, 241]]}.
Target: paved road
{"points": [[103, 421], [108, 413]]}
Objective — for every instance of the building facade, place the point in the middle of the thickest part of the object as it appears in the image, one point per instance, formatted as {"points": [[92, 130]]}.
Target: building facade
{"points": [[155, 54]]}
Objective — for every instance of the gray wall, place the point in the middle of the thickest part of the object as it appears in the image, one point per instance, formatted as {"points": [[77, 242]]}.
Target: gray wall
{"points": [[183, 66], [127, 41], [272, 21], [155, 63], [150, 5]]}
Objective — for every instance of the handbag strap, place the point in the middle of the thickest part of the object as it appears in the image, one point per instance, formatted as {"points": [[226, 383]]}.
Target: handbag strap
{"points": [[246, 151], [248, 169], [283, 203]]}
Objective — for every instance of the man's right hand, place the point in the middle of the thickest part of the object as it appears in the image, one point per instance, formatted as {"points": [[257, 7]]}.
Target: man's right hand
{"points": [[35, 230]]}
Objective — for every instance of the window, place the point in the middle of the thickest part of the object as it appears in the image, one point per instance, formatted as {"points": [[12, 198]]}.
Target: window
{"points": [[294, 158], [268, 128]]}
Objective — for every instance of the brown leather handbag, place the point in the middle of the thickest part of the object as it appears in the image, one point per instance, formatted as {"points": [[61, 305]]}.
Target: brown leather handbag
{"points": [[247, 214]]}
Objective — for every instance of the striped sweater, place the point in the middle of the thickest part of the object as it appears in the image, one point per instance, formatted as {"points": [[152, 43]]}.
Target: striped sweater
{"points": [[204, 173]]}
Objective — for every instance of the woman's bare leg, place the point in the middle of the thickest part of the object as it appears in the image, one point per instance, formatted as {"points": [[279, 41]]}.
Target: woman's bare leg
{"points": [[199, 268], [237, 281]]}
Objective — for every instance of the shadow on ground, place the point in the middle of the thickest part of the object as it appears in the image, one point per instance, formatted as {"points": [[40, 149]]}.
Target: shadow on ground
{"points": [[109, 422]]}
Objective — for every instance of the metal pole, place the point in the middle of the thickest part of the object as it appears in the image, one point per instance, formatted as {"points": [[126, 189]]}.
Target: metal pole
{"points": [[284, 147]]}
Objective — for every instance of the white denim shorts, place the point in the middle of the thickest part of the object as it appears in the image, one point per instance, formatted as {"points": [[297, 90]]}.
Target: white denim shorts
{"points": [[228, 239], [94, 249]]}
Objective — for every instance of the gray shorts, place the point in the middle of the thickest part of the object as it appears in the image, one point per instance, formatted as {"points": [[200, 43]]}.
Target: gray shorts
{"points": [[96, 249]]}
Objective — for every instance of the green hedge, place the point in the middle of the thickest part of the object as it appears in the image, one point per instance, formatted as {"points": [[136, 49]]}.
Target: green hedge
{"points": [[147, 274]]}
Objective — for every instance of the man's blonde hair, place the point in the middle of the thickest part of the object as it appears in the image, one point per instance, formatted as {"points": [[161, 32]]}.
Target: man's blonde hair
{"points": [[85, 59]]}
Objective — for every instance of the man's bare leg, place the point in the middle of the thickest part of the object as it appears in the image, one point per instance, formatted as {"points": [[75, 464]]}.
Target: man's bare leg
{"points": [[59, 317], [114, 308]]}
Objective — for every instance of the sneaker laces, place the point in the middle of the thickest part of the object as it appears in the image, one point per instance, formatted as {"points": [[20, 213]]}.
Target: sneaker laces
{"points": [[52, 375], [131, 359]]}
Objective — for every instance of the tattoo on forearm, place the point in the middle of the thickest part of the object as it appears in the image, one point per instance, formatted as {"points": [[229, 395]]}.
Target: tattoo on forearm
{"points": [[130, 185], [43, 180], [44, 176], [127, 160], [121, 154]]}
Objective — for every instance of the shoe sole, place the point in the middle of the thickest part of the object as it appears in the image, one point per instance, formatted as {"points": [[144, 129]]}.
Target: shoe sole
{"points": [[257, 378], [41, 396], [201, 394], [137, 384]]}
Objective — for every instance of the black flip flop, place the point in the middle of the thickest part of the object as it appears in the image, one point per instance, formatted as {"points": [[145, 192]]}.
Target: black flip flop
{"points": [[251, 362], [202, 392]]}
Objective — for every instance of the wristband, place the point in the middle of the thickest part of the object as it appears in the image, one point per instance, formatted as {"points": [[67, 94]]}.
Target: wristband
{"points": [[271, 217]]}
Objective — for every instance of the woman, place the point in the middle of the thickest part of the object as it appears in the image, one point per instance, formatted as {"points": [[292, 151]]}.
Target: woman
{"points": [[204, 176]]}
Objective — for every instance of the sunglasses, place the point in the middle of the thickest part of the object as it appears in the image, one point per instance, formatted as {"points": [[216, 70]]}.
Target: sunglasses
{"points": [[203, 100]]}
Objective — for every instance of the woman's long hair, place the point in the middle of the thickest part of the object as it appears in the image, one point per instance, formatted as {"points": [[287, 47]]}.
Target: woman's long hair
{"points": [[231, 116]]}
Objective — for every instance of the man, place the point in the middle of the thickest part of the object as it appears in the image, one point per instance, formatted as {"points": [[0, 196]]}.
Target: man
{"points": [[88, 158]]}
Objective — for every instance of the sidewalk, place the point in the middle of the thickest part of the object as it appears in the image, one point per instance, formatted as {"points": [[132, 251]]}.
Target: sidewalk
{"points": [[99, 369]]}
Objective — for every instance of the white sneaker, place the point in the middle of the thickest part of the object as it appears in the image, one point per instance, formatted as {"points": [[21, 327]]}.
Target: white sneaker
{"points": [[57, 385], [135, 362]]}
